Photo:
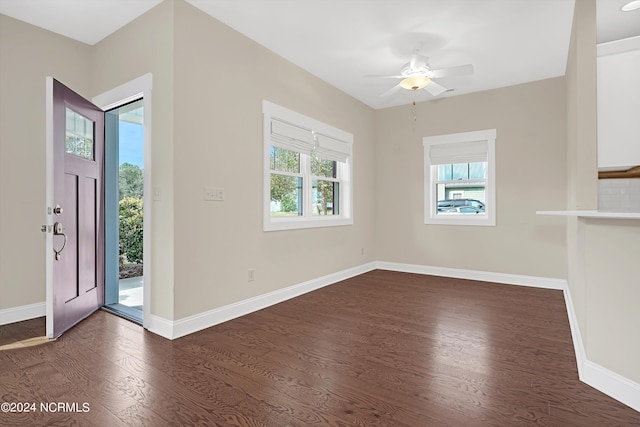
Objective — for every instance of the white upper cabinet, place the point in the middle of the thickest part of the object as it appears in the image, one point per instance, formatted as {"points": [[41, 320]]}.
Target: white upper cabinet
{"points": [[619, 104]]}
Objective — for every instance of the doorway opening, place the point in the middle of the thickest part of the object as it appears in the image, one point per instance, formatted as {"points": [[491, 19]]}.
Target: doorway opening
{"points": [[124, 210]]}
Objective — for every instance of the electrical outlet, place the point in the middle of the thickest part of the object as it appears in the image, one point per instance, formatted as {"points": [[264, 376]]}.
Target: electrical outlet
{"points": [[251, 275]]}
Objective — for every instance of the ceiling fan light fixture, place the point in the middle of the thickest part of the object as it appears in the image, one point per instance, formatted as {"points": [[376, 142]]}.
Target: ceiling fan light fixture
{"points": [[415, 82], [632, 5]]}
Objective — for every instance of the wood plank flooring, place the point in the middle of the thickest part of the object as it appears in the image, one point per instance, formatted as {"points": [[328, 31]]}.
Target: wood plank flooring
{"points": [[380, 349]]}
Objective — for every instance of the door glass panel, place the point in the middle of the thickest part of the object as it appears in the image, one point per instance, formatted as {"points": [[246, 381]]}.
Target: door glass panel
{"points": [[79, 136]]}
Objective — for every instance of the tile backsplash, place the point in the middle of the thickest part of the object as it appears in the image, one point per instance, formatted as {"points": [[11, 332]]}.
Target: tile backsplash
{"points": [[619, 195]]}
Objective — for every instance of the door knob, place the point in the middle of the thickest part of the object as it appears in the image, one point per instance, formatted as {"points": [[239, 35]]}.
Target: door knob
{"points": [[57, 231]]}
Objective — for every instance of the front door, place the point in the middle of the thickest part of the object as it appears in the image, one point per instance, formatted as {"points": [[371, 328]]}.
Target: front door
{"points": [[77, 211]]}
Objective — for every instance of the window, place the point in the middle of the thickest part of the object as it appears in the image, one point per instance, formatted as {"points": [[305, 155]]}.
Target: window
{"points": [[307, 171], [79, 135], [459, 176]]}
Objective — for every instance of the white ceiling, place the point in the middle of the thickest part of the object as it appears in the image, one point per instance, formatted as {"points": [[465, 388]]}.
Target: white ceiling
{"points": [[88, 21], [344, 42]]}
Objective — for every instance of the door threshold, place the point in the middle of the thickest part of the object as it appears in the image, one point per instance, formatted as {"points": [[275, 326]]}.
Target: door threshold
{"points": [[132, 314]]}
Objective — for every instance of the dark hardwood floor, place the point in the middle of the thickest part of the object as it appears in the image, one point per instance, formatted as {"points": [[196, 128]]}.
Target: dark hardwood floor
{"points": [[380, 349]]}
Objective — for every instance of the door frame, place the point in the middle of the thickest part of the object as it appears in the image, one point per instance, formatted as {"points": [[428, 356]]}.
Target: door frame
{"points": [[49, 174], [134, 89], [123, 94]]}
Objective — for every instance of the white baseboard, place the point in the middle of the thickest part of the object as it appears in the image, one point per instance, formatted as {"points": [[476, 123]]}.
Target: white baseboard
{"points": [[188, 325], [24, 312], [612, 384], [599, 377], [576, 336], [159, 326], [484, 276]]}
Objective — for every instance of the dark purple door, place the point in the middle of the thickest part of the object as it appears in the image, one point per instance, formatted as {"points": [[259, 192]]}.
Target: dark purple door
{"points": [[78, 240]]}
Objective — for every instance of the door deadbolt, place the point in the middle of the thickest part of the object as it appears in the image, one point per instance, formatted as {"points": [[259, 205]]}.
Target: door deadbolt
{"points": [[57, 210]]}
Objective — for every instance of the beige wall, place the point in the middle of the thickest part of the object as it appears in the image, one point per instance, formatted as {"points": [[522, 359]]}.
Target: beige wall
{"points": [[613, 291], [141, 47], [582, 162], [208, 121], [221, 78], [206, 132], [27, 56], [530, 174], [602, 254], [582, 165]]}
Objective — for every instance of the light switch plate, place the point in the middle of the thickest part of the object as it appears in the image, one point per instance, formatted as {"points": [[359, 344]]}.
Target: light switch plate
{"points": [[214, 194]]}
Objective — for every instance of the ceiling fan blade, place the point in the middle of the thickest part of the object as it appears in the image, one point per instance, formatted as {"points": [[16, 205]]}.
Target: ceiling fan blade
{"points": [[435, 89], [391, 91], [459, 70]]}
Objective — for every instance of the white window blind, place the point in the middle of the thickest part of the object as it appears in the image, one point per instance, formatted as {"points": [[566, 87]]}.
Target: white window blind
{"points": [[302, 140], [462, 152], [292, 137], [332, 149]]}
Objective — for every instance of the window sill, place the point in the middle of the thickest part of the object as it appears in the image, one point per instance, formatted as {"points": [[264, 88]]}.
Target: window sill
{"points": [[461, 219], [593, 214], [300, 223]]}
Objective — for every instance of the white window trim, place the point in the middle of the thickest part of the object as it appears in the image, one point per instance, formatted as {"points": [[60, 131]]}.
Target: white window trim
{"points": [[430, 202], [272, 111]]}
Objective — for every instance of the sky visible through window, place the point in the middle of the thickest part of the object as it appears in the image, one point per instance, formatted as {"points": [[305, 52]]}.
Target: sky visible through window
{"points": [[131, 143]]}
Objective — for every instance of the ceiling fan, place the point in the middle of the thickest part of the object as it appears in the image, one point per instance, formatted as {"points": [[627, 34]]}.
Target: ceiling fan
{"points": [[417, 74]]}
